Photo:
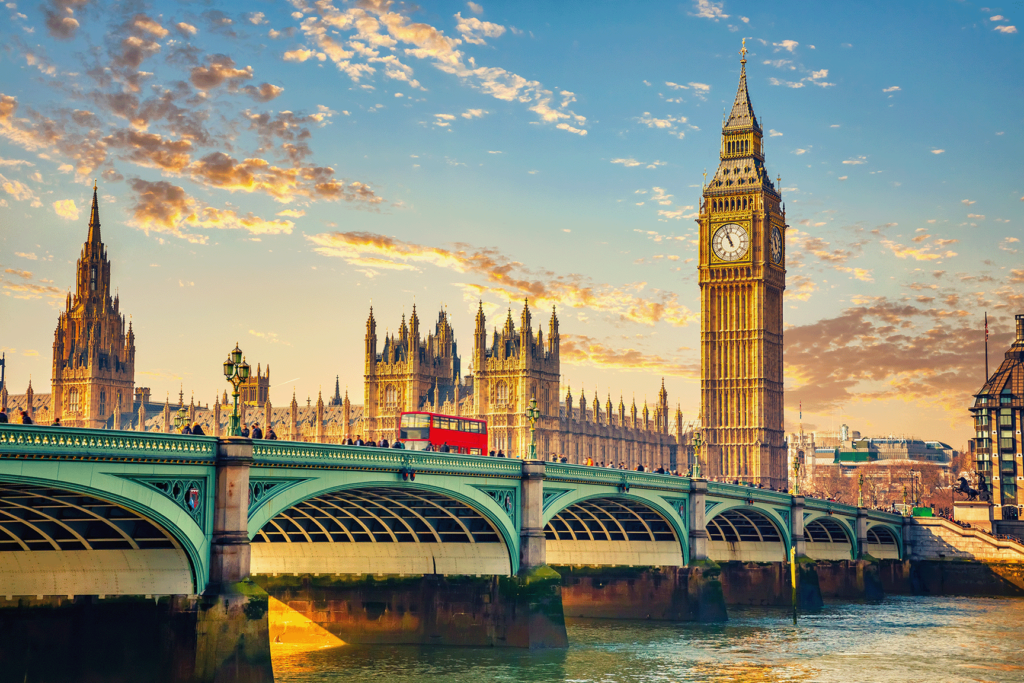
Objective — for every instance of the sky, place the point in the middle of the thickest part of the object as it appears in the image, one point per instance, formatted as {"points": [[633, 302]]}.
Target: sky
{"points": [[266, 170]]}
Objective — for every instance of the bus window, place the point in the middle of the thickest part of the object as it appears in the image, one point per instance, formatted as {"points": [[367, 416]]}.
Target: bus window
{"points": [[415, 427], [475, 451], [416, 445], [443, 423]]}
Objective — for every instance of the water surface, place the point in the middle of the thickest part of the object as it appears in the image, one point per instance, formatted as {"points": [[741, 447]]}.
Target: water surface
{"points": [[901, 639]]}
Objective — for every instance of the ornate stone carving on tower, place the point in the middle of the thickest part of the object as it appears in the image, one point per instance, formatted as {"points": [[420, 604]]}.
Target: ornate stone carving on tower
{"points": [[93, 354], [508, 371], [742, 277], [255, 391], [410, 373]]}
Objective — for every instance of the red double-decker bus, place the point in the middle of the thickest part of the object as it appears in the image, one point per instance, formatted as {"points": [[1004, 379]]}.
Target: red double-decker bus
{"points": [[462, 434]]}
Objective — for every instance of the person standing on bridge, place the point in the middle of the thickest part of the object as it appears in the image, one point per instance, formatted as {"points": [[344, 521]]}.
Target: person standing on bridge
{"points": [[25, 419], [397, 444], [445, 448], [384, 443], [197, 429], [3, 418], [257, 433], [271, 434], [359, 440]]}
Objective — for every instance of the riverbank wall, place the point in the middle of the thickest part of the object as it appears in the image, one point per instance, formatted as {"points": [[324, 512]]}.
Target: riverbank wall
{"points": [[216, 638], [487, 611]]}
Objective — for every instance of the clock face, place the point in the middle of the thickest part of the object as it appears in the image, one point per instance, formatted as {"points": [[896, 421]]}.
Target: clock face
{"points": [[730, 242], [776, 246]]}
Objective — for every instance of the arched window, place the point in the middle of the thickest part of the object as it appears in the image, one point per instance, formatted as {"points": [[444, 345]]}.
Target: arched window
{"points": [[72, 400], [501, 393], [390, 396]]}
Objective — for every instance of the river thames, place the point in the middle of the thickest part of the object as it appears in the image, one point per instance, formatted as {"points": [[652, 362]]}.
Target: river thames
{"points": [[900, 639]]}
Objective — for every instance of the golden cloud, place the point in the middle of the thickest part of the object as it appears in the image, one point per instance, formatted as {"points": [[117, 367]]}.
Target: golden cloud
{"points": [[505, 277]]}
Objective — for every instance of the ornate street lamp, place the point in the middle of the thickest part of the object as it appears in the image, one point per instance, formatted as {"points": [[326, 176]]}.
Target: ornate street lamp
{"points": [[796, 477], [860, 491], [181, 418], [236, 371], [697, 443], [533, 414]]}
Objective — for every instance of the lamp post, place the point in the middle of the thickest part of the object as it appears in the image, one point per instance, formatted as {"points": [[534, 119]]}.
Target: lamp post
{"points": [[533, 414], [796, 477], [860, 491], [697, 442], [236, 371], [181, 418]]}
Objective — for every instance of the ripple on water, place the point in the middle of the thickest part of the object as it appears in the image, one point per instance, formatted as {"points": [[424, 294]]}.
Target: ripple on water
{"points": [[902, 639]]}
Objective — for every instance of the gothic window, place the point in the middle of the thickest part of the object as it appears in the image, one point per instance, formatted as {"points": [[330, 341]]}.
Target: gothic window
{"points": [[501, 394], [103, 402], [92, 278], [390, 396], [73, 401]]}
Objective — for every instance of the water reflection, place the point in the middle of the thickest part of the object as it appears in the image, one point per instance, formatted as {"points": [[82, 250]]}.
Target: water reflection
{"points": [[901, 639]]}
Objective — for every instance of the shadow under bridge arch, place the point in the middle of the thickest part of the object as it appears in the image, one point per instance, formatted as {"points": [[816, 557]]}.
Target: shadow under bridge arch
{"points": [[402, 530], [59, 542], [745, 535], [612, 531]]}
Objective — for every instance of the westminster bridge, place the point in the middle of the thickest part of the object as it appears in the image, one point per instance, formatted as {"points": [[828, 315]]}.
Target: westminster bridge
{"points": [[365, 544]]}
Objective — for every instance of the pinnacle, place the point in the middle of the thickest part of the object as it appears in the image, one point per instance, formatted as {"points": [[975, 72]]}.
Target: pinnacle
{"points": [[742, 114]]}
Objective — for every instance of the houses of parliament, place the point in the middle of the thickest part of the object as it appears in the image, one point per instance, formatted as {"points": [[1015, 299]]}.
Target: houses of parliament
{"points": [[741, 276]]}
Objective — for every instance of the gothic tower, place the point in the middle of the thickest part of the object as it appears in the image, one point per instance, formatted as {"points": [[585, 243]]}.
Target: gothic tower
{"points": [[93, 354], [742, 277]]}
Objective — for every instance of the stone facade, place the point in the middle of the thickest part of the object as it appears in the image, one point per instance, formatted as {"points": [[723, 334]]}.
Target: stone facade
{"points": [[742, 277], [93, 353], [511, 365]]}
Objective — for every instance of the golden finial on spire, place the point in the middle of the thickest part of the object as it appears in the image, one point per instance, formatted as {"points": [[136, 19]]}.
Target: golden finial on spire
{"points": [[94, 185], [743, 52]]}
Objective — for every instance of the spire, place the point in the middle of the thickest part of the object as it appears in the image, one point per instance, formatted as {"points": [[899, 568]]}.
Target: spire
{"points": [[94, 219], [742, 114]]}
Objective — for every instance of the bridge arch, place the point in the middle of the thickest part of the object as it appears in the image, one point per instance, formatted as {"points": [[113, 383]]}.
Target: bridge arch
{"points": [[612, 529], [746, 534], [62, 538], [828, 538], [385, 527], [884, 542]]}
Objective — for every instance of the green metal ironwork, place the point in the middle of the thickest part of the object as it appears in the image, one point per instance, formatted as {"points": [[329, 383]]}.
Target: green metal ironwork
{"points": [[533, 414], [64, 442]]}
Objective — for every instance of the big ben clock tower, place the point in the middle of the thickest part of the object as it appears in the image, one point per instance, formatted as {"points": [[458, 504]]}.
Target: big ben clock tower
{"points": [[742, 277]]}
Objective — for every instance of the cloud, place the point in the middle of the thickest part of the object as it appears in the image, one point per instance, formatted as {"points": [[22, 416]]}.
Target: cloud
{"points": [[862, 274], [292, 213], [708, 9], [891, 88], [800, 287], [378, 24], [924, 254], [583, 350], [856, 161], [218, 70], [788, 45], [632, 163], [1006, 29], [788, 84], [669, 123], [186, 30], [772, 133], [269, 337], [299, 55], [500, 276], [968, 202], [164, 208], [65, 208], [474, 31], [475, 8], [473, 113], [886, 350], [938, 151]]}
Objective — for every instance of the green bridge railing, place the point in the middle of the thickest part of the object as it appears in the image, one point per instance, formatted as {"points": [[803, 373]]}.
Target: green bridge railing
{"points": [[75, 443]]}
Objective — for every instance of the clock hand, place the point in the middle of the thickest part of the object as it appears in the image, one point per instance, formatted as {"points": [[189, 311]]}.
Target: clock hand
{"points": [[730, 240]]}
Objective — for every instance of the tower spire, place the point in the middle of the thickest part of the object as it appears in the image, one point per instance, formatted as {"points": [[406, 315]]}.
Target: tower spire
{"points": [[742, 114], [94, 218]]}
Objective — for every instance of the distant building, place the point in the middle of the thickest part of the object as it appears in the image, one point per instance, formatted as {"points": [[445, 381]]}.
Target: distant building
{"points": [[93, 352], [255, 391], [998, 413], [511, 366]]}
